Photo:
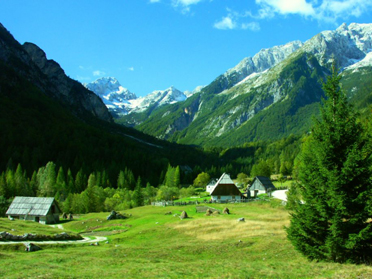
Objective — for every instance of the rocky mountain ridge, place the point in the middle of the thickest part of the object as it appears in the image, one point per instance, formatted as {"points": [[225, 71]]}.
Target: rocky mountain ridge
{"points": [[270, 95], [30, 61]]}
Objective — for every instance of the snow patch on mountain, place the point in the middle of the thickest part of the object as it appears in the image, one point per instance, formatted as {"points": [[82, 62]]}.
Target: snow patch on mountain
{"points": [[365, 62]]}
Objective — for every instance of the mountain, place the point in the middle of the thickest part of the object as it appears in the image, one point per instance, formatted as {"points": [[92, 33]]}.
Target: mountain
{"points": [[50, 77], [120, 101], [45, 116], [158, 98], [269, 96], [113, 95]]}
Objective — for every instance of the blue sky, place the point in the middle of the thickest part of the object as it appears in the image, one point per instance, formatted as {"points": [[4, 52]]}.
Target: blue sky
{"points": [[153, 44]]}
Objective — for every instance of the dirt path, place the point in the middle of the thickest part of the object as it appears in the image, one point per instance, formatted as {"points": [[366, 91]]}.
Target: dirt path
{"points": [[59, 226], [93, 239], [280, 194], [85, 240]]}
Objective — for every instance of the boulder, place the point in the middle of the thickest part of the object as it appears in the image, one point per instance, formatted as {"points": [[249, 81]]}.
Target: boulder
{"points": [[208, 212], [30, 247], [241, 220], [184, 215], [116, 215], [226, 211]]}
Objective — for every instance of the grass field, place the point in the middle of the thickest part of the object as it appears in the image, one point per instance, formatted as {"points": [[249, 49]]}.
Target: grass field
{"points": [[151, 244]]}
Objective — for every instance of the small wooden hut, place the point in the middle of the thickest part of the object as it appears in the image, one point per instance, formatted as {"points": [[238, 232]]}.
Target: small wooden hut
{"points": [[261, 185], [225, 189], [41, 210]]}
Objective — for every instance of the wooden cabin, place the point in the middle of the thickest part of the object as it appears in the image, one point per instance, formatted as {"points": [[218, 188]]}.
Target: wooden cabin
{"points": [[225, 189], [41, 210], [261, 185]]}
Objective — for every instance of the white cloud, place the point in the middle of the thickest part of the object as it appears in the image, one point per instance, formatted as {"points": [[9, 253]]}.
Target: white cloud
{"points": [[98, 73], [131, 69], [332, 9], [321, 10], [253, 26], [225, 23], [154, 1], [288, 7], [185, 4]]}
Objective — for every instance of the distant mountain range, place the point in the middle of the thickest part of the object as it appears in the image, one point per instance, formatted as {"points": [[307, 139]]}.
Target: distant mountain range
{"points": [[267, 96], [120, 101]]}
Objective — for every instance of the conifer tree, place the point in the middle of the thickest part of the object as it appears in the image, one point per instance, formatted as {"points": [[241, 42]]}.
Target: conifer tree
{"points": [[121, 180], [80, 181], [332, 204], [70, 184], [137, 196], [177, 177]]}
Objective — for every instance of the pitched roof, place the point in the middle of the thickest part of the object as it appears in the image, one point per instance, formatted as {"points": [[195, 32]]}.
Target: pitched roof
{"points": [[225, 187], [30, 206], [225, 179], [265, 181], [226, 190]]}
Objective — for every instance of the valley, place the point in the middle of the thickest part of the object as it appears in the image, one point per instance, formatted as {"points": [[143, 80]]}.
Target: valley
{"points": [[97, 147], [152, 244]]}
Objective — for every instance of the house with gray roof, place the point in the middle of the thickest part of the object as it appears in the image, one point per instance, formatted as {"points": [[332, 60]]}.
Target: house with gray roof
{"points": [[261, 185], [41, 210], [225, 189]]}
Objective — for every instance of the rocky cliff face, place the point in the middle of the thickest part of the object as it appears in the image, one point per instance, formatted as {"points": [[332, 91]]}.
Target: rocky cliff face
{"points": [[30, 62], [65, 88]]}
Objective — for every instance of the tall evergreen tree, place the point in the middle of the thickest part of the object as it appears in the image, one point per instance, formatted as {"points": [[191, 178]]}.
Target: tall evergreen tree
{"points": [[137, 197], [177, 177], [70, 184], [329, 214]]}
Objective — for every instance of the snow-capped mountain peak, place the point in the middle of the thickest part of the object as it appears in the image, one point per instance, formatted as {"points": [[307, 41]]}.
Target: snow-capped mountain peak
{"points": [[110, 87], [121, 101], [158, 98]]}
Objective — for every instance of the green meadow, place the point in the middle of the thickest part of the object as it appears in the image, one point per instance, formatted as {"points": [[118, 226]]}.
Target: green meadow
{"points": [[153, 244]]}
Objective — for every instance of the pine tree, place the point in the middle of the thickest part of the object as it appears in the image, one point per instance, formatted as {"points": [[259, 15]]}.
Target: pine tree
{"points": [[137, 196], [80, 181], [177, 177], [121, 180], [70, 184], [332, 204]]}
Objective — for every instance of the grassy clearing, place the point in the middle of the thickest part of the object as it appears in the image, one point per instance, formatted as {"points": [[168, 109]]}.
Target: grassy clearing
{"points": [[155, 245], [20, 227], [285, 184]]}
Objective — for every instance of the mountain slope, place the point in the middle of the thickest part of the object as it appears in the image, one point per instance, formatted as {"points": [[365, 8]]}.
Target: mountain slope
{"points": [[39, 124], [267, 99], [31, 62]]}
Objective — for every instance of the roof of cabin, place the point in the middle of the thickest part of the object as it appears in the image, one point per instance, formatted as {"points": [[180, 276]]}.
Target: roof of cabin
{"points": [[225, 187], [30, 206], [264, 181]]}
